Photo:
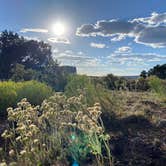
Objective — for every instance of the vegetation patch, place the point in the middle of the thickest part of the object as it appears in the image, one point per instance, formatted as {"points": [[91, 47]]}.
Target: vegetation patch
{"points": [[62, 129], [12, 92]]}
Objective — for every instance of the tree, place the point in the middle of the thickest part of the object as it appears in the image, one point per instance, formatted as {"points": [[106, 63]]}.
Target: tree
{"points": [[110, 80], [159, 71], [30, 53], [143, 74], [22, 60], [20, 74]]}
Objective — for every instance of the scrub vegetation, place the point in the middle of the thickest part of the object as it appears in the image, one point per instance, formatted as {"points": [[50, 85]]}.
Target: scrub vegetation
{"points": [[50, 116]]}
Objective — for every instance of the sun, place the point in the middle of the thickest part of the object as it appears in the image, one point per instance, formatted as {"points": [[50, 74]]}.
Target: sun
{"points": [[59, 28]]}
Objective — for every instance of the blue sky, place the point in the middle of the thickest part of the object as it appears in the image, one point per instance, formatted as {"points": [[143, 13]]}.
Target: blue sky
{"points": [[122, 37]]}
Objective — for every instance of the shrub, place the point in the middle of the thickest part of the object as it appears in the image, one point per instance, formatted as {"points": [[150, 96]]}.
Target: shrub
{"points": [[19, 73], [83, 84], [114, 82], [158, 86], [65, 128], [54, 76], [12, 92], [110, 100], [142, 84]]}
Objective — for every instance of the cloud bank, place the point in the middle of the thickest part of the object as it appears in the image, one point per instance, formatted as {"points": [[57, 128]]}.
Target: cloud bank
{"points": [[150, 31], [75, 58], [125, 56]]}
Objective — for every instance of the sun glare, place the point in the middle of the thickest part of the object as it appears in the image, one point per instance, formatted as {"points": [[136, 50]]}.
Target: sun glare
{"points": [[59, 28]]}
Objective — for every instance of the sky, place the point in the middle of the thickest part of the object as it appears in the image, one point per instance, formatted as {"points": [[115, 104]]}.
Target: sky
{"points": [[99, 37]]}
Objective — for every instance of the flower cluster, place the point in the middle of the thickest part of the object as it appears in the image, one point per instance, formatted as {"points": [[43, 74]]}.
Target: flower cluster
{"points": [[23, 132], [88, 119], [41, 135]]}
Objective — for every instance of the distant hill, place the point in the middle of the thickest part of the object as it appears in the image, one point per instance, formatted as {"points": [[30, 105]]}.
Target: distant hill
{"points": [[68, 69], [131, 77]]}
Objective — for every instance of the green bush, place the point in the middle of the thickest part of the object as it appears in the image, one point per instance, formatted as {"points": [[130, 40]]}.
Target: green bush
{"points": [[110, 100], [142, 84], [81, 84], [158, 86], [12, 92], [19, 73]]}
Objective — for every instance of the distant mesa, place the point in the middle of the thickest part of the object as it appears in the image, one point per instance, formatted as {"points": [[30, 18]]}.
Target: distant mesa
{"points": [[131, 77], [68, 69]]}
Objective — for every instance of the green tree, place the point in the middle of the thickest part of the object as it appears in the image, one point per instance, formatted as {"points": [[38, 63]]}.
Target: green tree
{"points": [[143, 74], [19, 73], [15, 49], [159, 71], [111, 80]]}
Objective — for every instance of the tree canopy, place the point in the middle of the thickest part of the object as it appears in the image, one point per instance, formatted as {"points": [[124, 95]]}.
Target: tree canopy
{"points": [[18, 50], [159, 71], [143, 74]]}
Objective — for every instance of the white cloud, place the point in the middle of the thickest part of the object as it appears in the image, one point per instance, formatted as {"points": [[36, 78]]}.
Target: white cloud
{"points": [[31, 38], [55, 50], [85, 64], [97, 45], [62, 40], [69, 52], [106, 28], [150, 31], [86, 30], [122, 57], [39, 30], [71, 57], [124, 49], [118, 38], [80, 53], [152, 36], [154, 19], [120, 62]]}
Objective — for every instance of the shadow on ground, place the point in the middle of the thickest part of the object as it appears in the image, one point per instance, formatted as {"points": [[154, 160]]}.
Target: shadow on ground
{"points": [[136, 141]]}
